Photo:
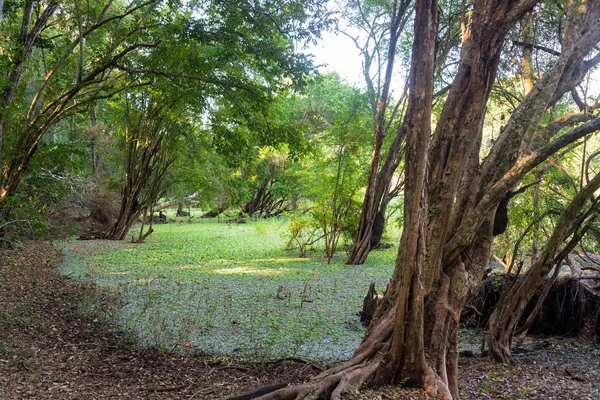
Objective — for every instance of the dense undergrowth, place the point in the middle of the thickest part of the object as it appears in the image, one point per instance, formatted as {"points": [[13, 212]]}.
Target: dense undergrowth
{"points": [[232, 289]]}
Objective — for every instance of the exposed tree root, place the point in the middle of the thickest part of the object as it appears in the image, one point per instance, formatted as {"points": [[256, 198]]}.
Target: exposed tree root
{"points": [[369, 365], [348, 379], [330, 384], [349, 376]]}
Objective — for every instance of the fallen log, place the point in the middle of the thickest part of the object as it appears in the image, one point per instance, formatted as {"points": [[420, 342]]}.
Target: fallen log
{"points": [[171, 203], [563, 312]]}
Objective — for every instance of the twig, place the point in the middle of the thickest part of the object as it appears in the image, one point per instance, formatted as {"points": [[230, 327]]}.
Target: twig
{"points": [[237, 367], [13, 222], [24, 366], [11, 244], [85, 344], [295, 359], [167, 389]]}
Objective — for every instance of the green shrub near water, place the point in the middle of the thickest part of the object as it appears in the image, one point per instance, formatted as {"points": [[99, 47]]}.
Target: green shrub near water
{"points": [[232, 289]]}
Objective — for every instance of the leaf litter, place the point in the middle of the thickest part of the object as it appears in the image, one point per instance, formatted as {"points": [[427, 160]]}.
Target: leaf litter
{"points": [[55, 343]]}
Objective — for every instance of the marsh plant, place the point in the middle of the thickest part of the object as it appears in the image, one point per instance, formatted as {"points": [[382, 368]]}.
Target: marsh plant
{"points": [[223, 289]]}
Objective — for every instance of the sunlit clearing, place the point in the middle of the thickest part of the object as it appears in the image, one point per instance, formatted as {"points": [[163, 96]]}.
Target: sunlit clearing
{"points": [[251, 271], [193, 266], [259, 260], [282, 260]]}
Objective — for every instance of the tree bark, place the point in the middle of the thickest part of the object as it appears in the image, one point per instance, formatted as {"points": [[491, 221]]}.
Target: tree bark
{"points": [[527, 61], [147, 161], [393, 347]]}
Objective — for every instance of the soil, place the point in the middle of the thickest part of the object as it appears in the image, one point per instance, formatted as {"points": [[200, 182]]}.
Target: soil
{"points": [[54, 344]]}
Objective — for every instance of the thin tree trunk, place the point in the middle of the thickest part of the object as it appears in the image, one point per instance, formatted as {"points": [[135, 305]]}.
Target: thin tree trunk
{"points": [[522, 332], [27, 41], [379, 179], [94, 133], [527, 60]]}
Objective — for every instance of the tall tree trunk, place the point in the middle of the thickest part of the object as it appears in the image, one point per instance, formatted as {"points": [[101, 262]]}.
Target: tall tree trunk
{"points": [[379, 178], [393, 348], [147, 138], [94, 133], [374, 194]]}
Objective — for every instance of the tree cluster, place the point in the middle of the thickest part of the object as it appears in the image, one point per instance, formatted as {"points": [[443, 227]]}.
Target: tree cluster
{"points": [[477, 120]]}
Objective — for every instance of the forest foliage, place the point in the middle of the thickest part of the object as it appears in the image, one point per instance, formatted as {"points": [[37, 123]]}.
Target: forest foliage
{"points": [[110, 108]]}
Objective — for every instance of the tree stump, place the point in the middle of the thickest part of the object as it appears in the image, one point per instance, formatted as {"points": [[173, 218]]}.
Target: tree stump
{"points": [[597, 326], [370, 304], [181, 213], [378, 226]]}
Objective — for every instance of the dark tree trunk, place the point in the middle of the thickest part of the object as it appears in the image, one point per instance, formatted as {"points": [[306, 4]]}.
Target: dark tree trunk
{"points": [[597, 325], [378, 226]]}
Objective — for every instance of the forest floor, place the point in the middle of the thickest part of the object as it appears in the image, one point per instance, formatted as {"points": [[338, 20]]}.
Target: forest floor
{"points": [[54, 346]]}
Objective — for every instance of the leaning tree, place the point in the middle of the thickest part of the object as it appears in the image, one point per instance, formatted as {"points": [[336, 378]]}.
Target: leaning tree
{"points": [[384, 25], [451, 194], [59, 59], [574, 222], [152, 126]]}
